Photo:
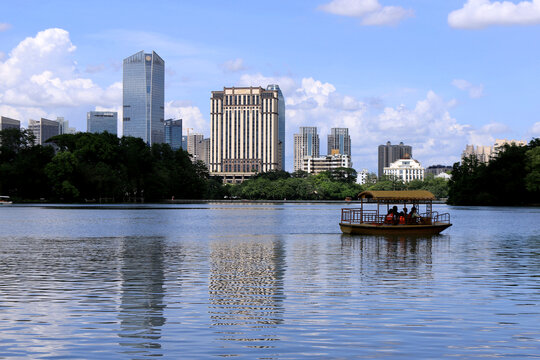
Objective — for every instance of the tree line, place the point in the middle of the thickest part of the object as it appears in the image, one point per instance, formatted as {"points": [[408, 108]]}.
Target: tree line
{"points": [[97, 167], [511, 178], [104, 168]]}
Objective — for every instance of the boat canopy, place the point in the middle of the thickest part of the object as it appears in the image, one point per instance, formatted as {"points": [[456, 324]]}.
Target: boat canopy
{"points": [[407, 196]]}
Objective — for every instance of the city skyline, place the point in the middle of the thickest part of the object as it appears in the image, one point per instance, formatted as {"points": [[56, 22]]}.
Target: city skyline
{"points": [[468, 80]]}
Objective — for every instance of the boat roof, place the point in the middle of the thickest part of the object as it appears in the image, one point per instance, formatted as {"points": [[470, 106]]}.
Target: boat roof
{"points": [[401, 196]]}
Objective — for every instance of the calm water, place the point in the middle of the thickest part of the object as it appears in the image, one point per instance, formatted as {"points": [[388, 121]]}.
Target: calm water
{"points": [[264, 281]]}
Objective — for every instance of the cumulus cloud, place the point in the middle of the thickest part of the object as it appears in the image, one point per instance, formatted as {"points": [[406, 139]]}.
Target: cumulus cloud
{"points": [[233, 65], [436, 136], [370, 12], [191, 115], [476, 14], [4, 27], [40, 73], [475, 91], [535, 130]]}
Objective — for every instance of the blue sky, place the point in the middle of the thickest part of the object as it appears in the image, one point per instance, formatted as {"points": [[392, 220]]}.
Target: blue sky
{"points": [[434, 74]]}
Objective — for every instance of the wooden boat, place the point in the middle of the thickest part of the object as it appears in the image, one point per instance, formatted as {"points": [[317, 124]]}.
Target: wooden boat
{"points": [[5, 200], [366, 221]]}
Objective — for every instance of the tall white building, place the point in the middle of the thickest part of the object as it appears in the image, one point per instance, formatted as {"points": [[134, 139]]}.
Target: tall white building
{"points": [[306, 143], [247, 130], [405, 169], [196, 146], [485, 153]]}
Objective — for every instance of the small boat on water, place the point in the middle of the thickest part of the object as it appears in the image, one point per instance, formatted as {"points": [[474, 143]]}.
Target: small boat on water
{"points": [[5, 200], [381, 221]]}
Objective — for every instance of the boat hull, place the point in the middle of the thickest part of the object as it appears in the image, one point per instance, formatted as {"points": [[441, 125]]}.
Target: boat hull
{"points": [[384, 229]]}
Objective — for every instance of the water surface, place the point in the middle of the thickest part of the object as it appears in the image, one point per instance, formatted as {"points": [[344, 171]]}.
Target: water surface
{"points": [[268, 281]]}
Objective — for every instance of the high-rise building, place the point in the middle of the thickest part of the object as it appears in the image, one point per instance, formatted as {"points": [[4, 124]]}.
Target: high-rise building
{"points": [[101, 121], [144, 97], [43, 129], [9, 123], [195, 146], [486, 153], [247, 132], [339, 142], [306, 143], [389, 153], [63, 126], [173, 133]]}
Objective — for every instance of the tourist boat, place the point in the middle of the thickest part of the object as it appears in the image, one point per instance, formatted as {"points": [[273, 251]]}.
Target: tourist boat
{"points": [[5, 200], [366, 221]]}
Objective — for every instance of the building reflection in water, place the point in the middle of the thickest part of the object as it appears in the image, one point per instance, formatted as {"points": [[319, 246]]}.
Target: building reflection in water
{"points": [[246, 289], [142, 292]]}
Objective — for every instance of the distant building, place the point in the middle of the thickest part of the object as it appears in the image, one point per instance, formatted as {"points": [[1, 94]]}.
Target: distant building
{"points": [[362, 176], [144, 97], [9, 123], [306, 143], [173, 133], [485, 153], [339, 142], [43, 129], [205, 151], [437, 169], [195, 146], [247, 132], [406, 170], [63, 126], [184, 142], [315, 165], [390, 153], [101, 121]]}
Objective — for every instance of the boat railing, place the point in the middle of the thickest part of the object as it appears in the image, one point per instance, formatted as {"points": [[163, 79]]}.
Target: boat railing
{"points": [[359, 216], [442, 218]]}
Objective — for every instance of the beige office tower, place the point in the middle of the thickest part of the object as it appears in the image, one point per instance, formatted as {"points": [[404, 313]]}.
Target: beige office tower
{"points": [[247, 132]]}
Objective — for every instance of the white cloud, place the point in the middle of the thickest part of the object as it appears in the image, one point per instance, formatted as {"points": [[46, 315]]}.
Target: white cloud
{"points": [[40, 73], [191, 116], [233, 65], [286, 84], [476, 14], [4, 26], [535, 130], [475, 91], [371, 12]]}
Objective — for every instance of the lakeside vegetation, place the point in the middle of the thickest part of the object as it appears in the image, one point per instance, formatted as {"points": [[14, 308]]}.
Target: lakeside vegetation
{"points": [[104, 168], [512, 178]]}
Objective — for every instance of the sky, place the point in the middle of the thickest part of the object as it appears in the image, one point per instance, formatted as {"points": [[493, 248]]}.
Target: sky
{"points": [[436, 75]]}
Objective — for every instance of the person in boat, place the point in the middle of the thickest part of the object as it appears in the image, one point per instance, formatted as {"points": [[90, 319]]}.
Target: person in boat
{"points": [[413, 216], [389, 218], [403, 217]]}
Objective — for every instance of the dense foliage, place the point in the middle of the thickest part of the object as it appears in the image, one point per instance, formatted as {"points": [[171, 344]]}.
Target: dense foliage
{"points": [[512, 178], [278, 185], [88, 166]]}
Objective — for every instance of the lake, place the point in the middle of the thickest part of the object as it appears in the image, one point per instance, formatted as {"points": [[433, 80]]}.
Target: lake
{"points": [[264, 281]]}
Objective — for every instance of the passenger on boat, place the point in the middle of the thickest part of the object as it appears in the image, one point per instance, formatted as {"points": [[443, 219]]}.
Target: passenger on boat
{"points": [[403, 216], [389, 218], [413, 216]]}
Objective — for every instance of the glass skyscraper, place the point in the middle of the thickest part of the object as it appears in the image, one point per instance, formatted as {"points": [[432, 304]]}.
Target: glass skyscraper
{"points": [[173, 133], [100, 121], [144, 97], [306, 143], [339, 141]]}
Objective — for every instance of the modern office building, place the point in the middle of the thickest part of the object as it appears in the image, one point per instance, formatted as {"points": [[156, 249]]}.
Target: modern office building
{"points": [[405, 169], [63, 126], [9, 123], [339, 142], [247, 132], [101, 121], [389, 153], [315, 165], [306, 143], [43, 129], [173, 133], [144, 97], [184, 142]]}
